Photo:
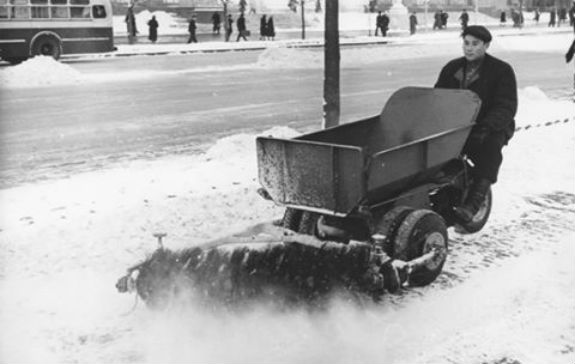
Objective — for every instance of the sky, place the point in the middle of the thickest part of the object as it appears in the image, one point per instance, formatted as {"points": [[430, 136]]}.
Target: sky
{"points": [[506, 294]]}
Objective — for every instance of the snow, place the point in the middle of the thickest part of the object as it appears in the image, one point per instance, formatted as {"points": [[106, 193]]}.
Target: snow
{"points": [[43, 71], [506, 294]]}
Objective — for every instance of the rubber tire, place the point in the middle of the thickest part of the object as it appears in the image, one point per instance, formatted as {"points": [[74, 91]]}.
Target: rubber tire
{"points": [[417, 234], [480, 219], [388, 225], [292, 219], [47, 46], [308, 223]]}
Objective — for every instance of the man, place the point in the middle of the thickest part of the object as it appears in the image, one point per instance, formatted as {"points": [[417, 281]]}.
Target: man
{"points": [[192, 30], [412, 23], [494, 82], [242, 30], [384, 24], [378, 23], [464, 19]]}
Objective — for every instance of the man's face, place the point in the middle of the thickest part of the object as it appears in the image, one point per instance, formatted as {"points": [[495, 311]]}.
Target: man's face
{"points": [[474, 48]]}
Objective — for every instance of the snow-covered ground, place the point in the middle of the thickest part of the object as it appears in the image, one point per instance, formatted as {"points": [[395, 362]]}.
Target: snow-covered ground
{"points": [[506, 294]]}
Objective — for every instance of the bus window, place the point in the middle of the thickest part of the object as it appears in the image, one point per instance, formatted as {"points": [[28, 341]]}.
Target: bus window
{"points": [[21, 12], [3, 9], [59, 12], [79, 12], [58, 2], [79, 2], [39, 11], [99, 11]]}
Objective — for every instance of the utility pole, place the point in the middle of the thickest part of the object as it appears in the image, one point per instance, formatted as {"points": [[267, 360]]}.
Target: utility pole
{"points": [[302, 19], [331, 104]]}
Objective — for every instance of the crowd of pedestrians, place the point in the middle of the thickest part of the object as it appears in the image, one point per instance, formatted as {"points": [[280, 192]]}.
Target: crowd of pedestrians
{"points": [[267, 31]]}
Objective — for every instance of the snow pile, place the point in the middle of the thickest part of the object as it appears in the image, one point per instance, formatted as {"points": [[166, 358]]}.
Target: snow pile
{"points": [[244, 144], [39, 71]]}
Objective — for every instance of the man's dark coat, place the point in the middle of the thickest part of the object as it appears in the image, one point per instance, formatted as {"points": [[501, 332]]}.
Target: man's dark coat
{"points": [[495, 86]]}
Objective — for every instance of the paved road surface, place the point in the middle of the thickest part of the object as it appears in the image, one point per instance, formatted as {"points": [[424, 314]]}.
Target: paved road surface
{"points": [[50, 132]]}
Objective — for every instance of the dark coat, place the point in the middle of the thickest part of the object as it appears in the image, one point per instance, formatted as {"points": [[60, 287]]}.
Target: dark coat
{"points": [[495, 86], [153, 29]]}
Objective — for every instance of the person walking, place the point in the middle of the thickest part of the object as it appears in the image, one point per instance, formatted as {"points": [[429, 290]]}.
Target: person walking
{"points": [[216, 22], [153, 29], [242, 30], [552, 17], [464, 19], [502, 18], [229, 27], [444, 16], [131, 25], [384, 24], [378, 23], [192, 30], [271, 29], [437, 20], [537, 15], [263, 27], [412, 23], [494, 82]]}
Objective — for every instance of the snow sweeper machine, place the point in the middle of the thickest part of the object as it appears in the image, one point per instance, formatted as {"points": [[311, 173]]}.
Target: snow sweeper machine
{"points": [[367, 204]]}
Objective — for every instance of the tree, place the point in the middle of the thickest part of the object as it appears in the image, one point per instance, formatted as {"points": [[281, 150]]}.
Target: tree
{"points": [[243, 6]]}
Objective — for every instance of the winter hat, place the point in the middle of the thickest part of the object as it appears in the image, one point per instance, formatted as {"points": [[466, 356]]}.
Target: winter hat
{"points": [[478, 31]]}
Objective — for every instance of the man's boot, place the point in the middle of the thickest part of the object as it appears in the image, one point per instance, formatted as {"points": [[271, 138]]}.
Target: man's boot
{"points": [[475, 198]]}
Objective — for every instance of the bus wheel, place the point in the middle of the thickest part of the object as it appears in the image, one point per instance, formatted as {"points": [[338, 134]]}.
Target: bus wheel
{"points": [[47, 46]]}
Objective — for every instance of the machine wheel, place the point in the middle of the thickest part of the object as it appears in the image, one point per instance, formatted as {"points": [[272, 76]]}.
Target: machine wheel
{"points": [[389, 223], [292, 218], [47, 45], [421, 232], [308, 223], [480, 218]]}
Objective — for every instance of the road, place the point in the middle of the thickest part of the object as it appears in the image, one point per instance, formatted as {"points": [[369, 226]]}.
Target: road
{"points": [[162, 105]]}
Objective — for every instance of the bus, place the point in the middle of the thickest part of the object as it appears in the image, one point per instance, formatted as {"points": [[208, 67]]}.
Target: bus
{"points": [[54, 27]]}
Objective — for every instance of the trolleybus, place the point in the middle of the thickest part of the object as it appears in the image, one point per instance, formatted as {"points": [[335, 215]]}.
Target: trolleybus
{"points": [[54, 27]]}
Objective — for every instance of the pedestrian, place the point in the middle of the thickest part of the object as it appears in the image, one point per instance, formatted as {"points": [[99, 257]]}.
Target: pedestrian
{"points": [[377, 23], [536, 17], [515, 18], [153, 29], [412, 23], [502, 18], [271, 29], [572, 15], [242, 30], [464, 19], [493, 80], [192, 30], [384, 24], [444, 16], [229, 27], [437, 20], [131, 25], [216, 22], [552, 17], [561, 16], [263, 27]]}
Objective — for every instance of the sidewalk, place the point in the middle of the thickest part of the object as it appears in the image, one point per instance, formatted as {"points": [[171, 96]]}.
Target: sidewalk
{"points": [[176, 43]]}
